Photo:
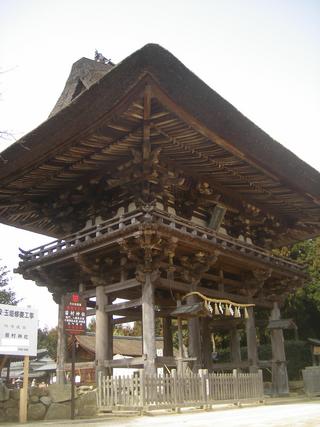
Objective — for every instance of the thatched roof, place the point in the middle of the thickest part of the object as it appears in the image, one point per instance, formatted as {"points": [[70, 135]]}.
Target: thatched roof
{"points": [[238, 156]]}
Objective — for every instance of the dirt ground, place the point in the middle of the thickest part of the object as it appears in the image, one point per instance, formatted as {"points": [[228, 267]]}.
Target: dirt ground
{"points": [[305, 414]]}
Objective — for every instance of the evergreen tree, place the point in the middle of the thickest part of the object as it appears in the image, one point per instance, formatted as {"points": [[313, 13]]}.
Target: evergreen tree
{"points": [[48, 339], [304, 305], [7, 295]]}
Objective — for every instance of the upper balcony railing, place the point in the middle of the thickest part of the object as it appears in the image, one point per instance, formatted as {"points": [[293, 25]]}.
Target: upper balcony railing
{"points": [[181, 225], [85, 235]]}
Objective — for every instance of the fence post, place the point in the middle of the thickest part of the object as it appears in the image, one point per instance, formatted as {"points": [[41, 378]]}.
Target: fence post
{"points": [[99, 389], [236, 391], [204, 381], [260, 379], [175, 390], [142, 391]]}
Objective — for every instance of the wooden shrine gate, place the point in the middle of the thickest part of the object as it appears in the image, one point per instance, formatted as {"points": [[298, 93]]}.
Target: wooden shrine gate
{"points": [[148, 392]]}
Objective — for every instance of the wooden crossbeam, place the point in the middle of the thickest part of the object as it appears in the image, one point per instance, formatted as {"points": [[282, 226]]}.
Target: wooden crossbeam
{"points": [[125, 319], [185, 288], [111, 308], [114, 287], [123, 285], [125, 362], [166, 360]]}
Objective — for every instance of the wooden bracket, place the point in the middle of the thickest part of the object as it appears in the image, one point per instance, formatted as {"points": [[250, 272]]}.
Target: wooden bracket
{"points": [[195, 266]]}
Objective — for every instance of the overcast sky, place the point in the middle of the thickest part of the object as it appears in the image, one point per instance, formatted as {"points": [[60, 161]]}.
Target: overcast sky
{"points": [[262, 56]]}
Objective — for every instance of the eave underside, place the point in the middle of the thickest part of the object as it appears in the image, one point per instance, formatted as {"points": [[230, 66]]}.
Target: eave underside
{"points": [[104, 151]]}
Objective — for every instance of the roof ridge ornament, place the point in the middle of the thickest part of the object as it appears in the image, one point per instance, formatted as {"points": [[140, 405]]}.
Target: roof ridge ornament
{"points": [[101, 58]]}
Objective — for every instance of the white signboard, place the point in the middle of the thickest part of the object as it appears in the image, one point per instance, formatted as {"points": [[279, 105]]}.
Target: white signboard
{"points": [[18, 330]]}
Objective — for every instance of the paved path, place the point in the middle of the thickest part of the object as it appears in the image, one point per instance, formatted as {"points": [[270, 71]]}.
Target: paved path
{"points": [[285, 415]]}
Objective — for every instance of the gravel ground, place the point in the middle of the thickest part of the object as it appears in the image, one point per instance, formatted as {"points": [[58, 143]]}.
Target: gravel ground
{"points": [[285, 415]]}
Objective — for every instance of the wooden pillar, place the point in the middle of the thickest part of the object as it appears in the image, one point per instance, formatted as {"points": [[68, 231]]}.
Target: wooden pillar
{"points": [[280, 383], [8, 372], [180, 364], [206, 342], [61, 345], [123, 272], [194, 337], [103, 332], [235, 345], [167, 337], [148, 325], [109, 349], [252, 347]]}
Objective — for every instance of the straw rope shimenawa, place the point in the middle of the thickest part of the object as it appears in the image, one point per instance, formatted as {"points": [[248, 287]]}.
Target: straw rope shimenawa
{"points": [[222, 306]]}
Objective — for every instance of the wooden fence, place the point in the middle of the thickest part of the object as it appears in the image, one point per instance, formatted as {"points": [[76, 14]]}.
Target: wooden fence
{"points": [[146, 392]]}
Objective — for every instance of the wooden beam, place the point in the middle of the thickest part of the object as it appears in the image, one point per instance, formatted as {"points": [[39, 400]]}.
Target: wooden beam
{"points": [[80, 365], [166, 360], [184, 287], [219, 279], [114, 287], [227, 324], [230, 365], [146, 122], [111, 308], [125, 319], [120, 286], [91, 312], [125, 362]]}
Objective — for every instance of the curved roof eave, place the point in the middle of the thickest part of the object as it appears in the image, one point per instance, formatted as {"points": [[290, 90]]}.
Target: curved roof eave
{"points": [[199, 101]]}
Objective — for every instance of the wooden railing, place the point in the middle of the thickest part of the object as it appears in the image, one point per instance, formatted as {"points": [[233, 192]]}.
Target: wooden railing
{"points": [[111, 226], [72, 240], [147, 392], [222, 240]]}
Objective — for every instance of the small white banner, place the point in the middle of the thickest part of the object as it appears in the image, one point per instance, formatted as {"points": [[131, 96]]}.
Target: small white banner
{"points": [[18, 330]]}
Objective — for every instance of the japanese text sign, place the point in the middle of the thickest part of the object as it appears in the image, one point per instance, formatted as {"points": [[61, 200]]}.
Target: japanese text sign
{"points": [[18, 330], [74, 314]]}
